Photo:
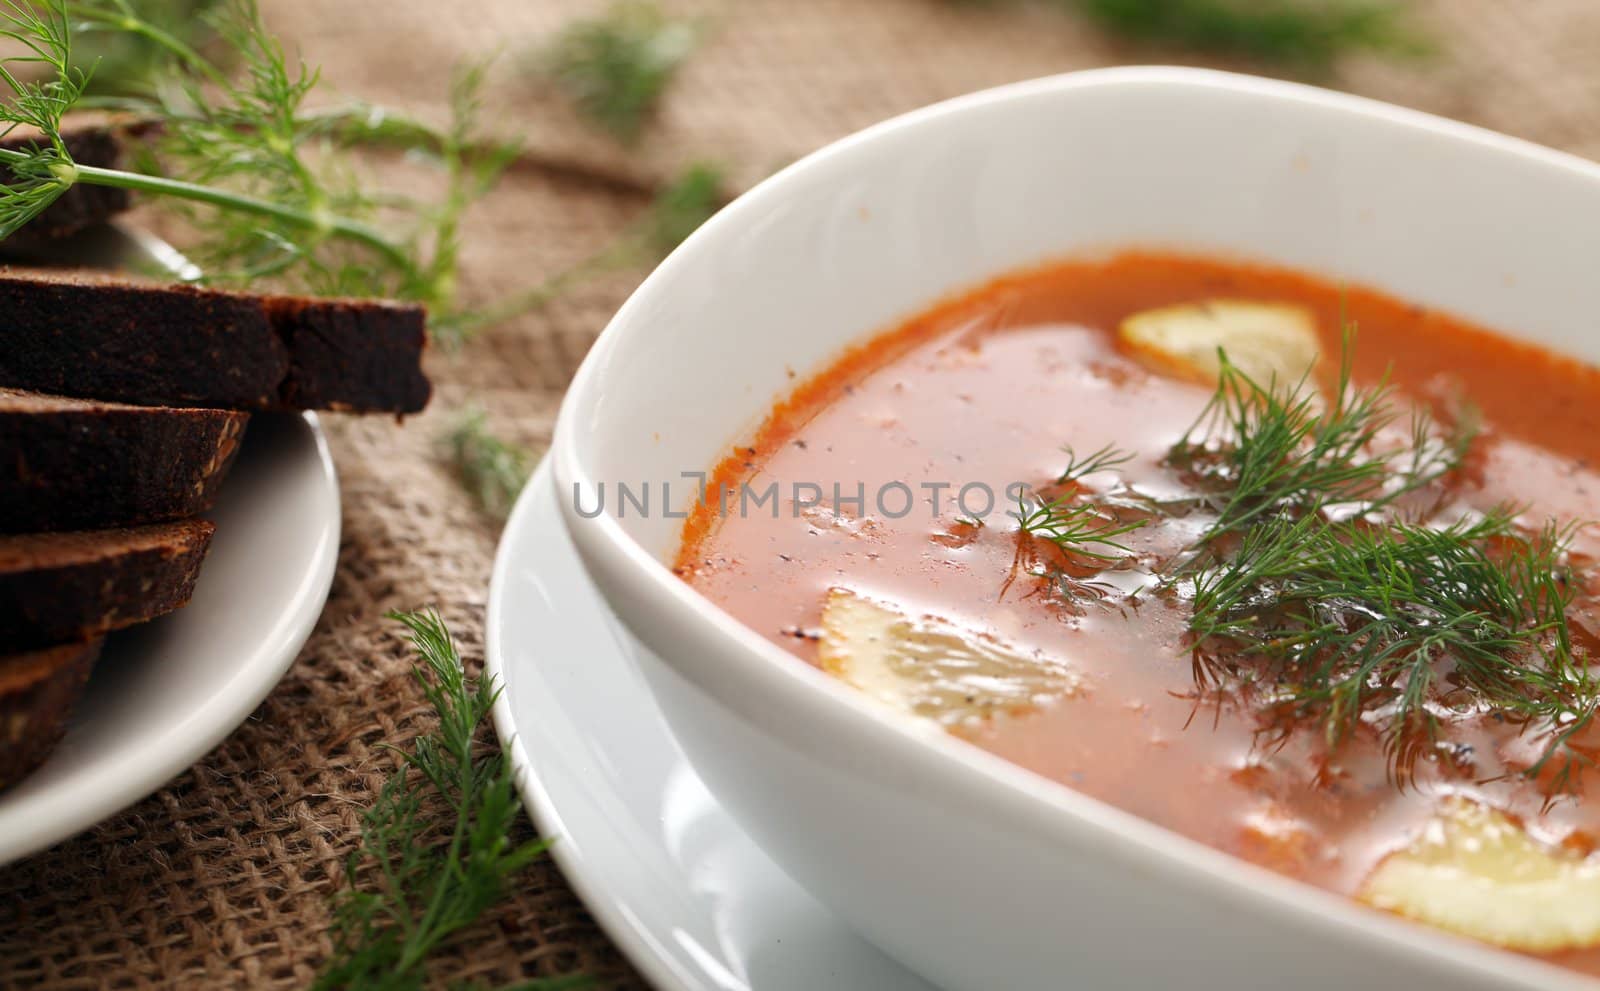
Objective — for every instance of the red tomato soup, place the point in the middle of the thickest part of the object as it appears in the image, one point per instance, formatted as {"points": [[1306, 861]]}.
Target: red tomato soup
{"points": [[987, 389]]}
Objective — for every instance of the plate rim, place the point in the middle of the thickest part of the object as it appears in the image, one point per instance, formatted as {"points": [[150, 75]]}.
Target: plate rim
{"points": [[618, 927]]}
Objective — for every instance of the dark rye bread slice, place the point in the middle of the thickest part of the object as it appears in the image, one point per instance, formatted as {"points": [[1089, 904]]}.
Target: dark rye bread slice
{"points": [[93, 139], [68, 587], [110, 337], [38, 691], [80, 464]]}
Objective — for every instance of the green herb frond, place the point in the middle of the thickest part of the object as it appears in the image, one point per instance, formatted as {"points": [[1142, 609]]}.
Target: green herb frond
{"points": [[246, 137], [472, 166], [1105, 459], [1325, 591], [616, 67], [258, 175], [678, 210], [131, 49], [267, 185], [1268, 450], [40, 85], [492, 470], [1343, 608], [433, 874], [1078, 528], [1347, 619], [44, 34], [1308, 33]]}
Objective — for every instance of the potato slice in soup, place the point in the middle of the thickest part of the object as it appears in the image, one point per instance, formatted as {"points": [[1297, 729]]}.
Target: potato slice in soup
{"points": [[1267, 341], [1475, 872], [929, 668]]}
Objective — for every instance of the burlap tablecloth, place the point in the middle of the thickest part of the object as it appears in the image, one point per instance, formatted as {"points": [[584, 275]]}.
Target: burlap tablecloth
{"points": [[222, 878]]}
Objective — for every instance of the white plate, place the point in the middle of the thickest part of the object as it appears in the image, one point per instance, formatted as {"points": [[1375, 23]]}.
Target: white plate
{"points": [[164, 694], [680, 888]]}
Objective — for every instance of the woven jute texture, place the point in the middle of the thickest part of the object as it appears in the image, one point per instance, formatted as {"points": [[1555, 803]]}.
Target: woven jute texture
{"points": [[222, 879]]}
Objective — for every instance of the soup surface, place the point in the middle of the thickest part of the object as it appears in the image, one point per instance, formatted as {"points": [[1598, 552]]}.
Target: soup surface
{"points": [[983, 392]]}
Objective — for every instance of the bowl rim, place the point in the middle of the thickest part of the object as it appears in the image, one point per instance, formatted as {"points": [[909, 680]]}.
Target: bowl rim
{"points": [[1023, 797]]}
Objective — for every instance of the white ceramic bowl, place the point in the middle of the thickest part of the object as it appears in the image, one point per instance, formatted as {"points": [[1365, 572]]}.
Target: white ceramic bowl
{"points": [[976, 873]]}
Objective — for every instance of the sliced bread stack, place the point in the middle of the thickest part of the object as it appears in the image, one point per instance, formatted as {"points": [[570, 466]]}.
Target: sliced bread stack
{"points": [[122, 406]]}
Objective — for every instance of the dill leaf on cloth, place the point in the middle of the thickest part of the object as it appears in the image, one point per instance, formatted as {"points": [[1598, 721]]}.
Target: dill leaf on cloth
{"points": [[492, 470], [436, 842], [1298, 34], [1306, 32], [616, 67]]}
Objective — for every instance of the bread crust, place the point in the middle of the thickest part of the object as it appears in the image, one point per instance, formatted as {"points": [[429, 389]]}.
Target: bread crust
{"points": [[111, 337], [69, 587], [38, 691], [70, 464]]}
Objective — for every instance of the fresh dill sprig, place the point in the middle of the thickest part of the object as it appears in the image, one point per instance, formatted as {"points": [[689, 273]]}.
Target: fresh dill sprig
{"points": [[131, 55], [1300, 34], [262, 109], [262, 178], [1335, 610], [1082, 526], [436, 840], [249, 132], [247, 136], [616, 67], [679, 208], [472, 166], [1081, 529], [1320, 595], [1105, 459], [1267, 450], [257, 174], [40, 175], [1342, 620], [492, 470], [1309, 33]]}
